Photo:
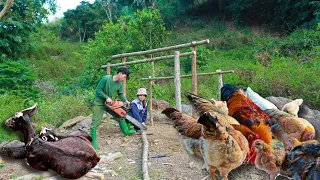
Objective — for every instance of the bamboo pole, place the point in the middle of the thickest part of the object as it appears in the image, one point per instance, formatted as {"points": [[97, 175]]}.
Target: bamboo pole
{"points": [[177, 83], [188, 75], [124, 84], [108, 69], [194, 77], [147, 60], [151, 51], [150, 101], [145, 156], [220, 83]]}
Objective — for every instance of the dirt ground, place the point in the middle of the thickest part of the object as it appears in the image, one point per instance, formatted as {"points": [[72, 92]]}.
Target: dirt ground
{"points": [[176, 165]]}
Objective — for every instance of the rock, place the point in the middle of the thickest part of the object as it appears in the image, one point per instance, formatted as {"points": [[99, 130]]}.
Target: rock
{"points": [[72, 122], [159, 104], [84, 124]]}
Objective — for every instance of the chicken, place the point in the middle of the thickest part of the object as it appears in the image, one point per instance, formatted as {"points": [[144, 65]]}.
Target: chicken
{"points": [[203, 105], [268, 159], [301, 162], [290, 126], [314, 172], [294, 142], [248, 114], [222, 147], [292, 107], [186, 125]]}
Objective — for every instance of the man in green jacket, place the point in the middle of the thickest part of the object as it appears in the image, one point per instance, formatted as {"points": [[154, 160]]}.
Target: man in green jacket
{"points": [[107, 86]]}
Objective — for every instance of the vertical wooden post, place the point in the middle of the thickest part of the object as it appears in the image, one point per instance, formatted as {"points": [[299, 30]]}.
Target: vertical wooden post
{"points": [[150, 101], [194, 76], [177, 83], [124, 84], [108, 69], [220, 83], [108, 115]]}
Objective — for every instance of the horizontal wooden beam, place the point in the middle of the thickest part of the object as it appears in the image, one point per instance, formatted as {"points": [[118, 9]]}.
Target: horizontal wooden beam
{"points": [[151, 51], [187, 75], [149, 60]]}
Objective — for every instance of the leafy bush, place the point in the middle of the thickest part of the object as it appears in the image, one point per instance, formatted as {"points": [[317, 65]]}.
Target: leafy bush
{"points": [[17, 78]]}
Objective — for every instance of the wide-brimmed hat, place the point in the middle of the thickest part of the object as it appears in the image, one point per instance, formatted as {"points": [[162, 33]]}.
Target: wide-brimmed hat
{"points": [[142, 91]]}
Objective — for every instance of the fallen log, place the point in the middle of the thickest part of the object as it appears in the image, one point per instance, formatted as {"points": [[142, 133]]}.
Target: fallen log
{"points": [[145, 156]]}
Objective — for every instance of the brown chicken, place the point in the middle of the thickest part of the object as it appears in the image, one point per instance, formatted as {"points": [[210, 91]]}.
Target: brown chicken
{"points": [[222, 147], [203, 105], [186, 125], [268, 159], [212, 142], [248, 114], [290, 126]]}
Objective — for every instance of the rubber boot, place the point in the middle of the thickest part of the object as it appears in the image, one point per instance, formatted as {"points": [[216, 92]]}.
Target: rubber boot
{"points": [[124, 128], [129, 126], [93, 134]]}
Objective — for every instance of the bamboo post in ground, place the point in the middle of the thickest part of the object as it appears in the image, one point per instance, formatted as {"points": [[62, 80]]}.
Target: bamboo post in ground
{"points": [[108, 115], [124, 84], [145, 156], [108, 69], [177, 83], [220, 83], [194, 76], [150, 101]]}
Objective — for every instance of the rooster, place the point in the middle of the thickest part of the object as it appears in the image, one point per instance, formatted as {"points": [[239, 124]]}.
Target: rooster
{"points": [[290, 126], [269, 159], [248, 114]]}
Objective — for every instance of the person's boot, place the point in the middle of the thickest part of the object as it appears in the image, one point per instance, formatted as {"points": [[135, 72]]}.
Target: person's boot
{"points": [[93, 134], [129, 126], [124, 128]]}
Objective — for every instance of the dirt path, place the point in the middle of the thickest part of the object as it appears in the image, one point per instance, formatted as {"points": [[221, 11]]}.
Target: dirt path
{"points": [[177, 165]]}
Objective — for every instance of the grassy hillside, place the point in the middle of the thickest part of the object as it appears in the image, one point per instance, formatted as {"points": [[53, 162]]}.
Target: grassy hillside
{"points": [[270, 64]]}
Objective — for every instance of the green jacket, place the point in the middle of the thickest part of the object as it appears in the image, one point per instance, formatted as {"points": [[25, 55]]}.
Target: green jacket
{"points": [[105, 88]]}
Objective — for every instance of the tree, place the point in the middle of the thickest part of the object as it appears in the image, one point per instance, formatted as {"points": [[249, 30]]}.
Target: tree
{"points": [[22, 19], [5, 8]]}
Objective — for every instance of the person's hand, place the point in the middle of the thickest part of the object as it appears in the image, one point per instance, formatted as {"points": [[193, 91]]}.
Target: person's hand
{"points": [[127, 102], [108, 101]]}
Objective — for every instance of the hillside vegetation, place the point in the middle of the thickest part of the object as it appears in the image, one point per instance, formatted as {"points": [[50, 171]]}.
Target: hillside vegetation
{"points": [[60, 74]]}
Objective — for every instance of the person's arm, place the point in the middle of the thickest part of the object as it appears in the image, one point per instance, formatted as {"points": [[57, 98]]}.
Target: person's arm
{"points": [[144, 118], [135, 112], [100, 86]]}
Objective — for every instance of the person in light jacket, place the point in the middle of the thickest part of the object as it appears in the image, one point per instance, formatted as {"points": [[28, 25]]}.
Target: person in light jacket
{"points": [[138, 107]]}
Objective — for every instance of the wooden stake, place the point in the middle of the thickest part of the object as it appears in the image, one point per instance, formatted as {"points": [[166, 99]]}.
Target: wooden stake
{"points": [[177, 83], [124, 84], [220, 83], [150, 101], [194, 76]]}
